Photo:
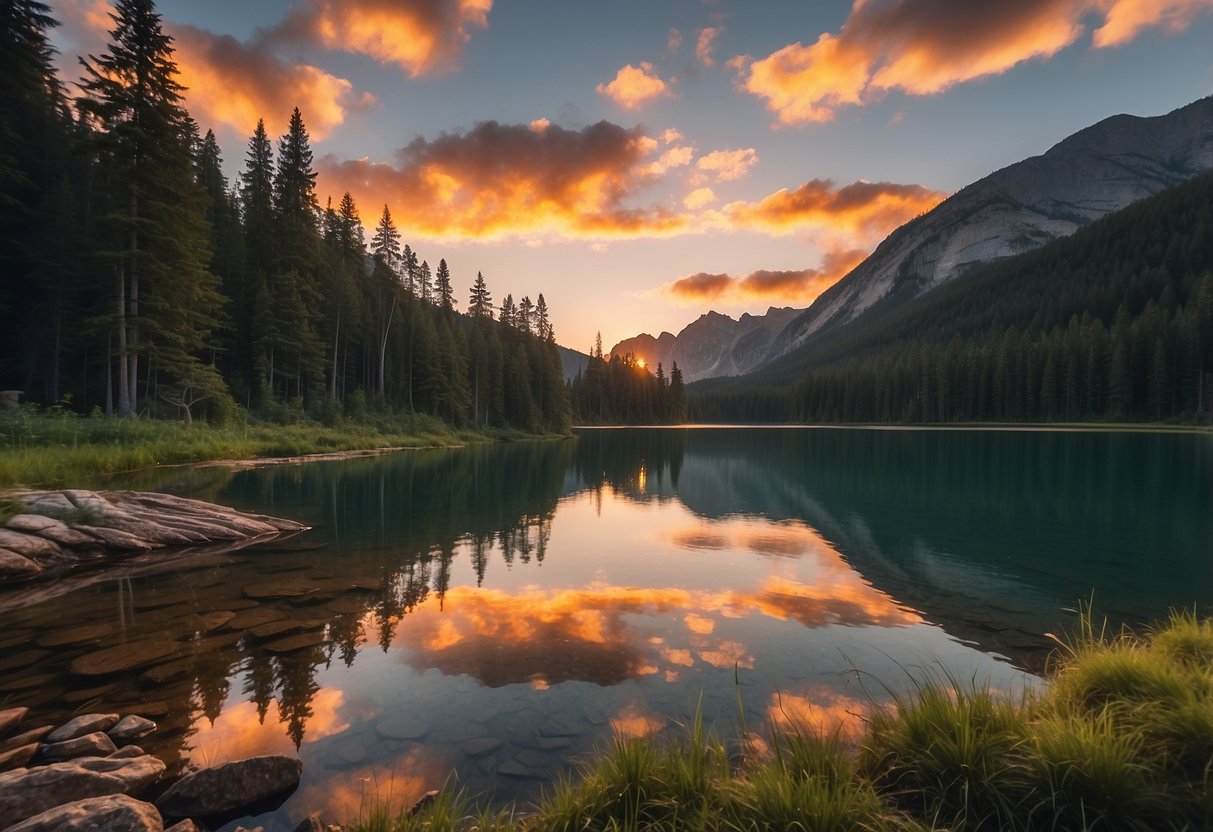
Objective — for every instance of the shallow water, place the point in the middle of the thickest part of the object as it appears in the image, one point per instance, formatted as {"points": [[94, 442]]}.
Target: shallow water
{"points": [[490, 615]]}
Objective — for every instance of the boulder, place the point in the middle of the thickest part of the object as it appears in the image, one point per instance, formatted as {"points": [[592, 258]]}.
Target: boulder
{"points": [[131, 727], [26, 792], [127, 752], [186, 825], [10, 718], [113, 813], [95, 744], [229, 787], [32, 523], [81, 725], [116, 538]]}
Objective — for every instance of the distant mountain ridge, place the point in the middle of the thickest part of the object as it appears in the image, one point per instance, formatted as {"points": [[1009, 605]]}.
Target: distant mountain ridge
{"points": [[714, 344], [1092, 173], [1088, 175]]}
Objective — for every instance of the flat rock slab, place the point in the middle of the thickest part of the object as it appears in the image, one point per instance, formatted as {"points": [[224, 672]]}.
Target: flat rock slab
{"points": [[60, 529], [83, 634], [229, 787], [27, 792], [81, 725], [290, 644], [18, 757], [36, 735], [123, 657], [114, 813]]}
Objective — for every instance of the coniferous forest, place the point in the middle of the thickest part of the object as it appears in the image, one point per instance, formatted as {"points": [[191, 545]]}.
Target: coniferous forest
{"points": [[1114, 323], [139, 281]]}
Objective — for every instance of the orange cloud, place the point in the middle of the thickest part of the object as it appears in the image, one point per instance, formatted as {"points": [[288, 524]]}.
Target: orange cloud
{"points": [[866, 210], [498, 180], [239, 731], [795, 286], [234, 84], [727, 165], [421, 36], [699, 198], [923, 47], [820, 711], [633, 87], [706, 43]]}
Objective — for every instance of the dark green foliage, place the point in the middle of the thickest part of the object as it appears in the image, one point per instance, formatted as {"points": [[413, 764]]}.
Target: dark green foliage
{"points": [[138, 282], [623, 391], [1114, 322]]}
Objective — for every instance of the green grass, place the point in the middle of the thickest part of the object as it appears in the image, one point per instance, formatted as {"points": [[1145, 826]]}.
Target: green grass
{"points": [[1120, 739], [57, 448]]}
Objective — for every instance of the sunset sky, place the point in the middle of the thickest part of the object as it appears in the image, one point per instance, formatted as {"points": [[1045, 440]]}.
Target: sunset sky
{"points": [[642, 162]]}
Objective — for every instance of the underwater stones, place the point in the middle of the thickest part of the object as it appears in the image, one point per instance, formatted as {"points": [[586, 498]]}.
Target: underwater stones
{"points": [[83, 634], [480, 746], [254, 617], [401, 727], [123, 657], [300, 641]]}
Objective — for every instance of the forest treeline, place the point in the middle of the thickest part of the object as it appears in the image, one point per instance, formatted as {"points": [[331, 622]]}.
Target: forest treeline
{"points": [[621, 390], [138, 280], [1112, 323]]}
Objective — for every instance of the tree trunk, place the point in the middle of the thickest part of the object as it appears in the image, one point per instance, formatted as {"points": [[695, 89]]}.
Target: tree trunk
{"points": [[336, 342], [387, 328], [124, 385]]}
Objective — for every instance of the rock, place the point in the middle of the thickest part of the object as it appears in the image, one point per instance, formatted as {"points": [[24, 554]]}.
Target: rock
{"points": [[32, 523], [127, 752], [274, 628], [95, 744], [167, 672], [124, 657], [116, 539], [300, 641], [210, 621], [48, 528], [81, 725], [25, 792], [185, 826], [83, 634], [131, 727], [15, 567], [18, 756], [247, 619], [35, 680], [37, 735], [10, 718], [31, 546], [229, 787], [280, 588], [401, 727], [512, 768], [480, 746], [52, 504], [424, 802], [113, 813]]}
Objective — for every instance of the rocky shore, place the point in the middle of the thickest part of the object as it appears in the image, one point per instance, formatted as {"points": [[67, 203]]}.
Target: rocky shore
{"points": [[88, 774], [49, 532]]}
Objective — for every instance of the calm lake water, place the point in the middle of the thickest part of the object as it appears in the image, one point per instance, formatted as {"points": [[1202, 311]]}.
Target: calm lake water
{"points": [[490, 615]]}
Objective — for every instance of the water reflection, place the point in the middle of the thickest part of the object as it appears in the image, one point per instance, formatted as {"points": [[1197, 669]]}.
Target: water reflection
{"points": [[497, 611]]}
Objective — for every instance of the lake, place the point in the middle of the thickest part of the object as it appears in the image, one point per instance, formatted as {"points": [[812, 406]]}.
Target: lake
{"points": [[488, 616]]}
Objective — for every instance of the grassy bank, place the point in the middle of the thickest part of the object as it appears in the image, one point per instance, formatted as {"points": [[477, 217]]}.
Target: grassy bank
{"points": [[1121, 739], [56, 448]]}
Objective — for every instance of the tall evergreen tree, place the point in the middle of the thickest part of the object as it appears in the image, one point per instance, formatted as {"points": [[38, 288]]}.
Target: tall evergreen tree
{"points": [[166, 297], [385, 244], [443, 293], [480, 302]]}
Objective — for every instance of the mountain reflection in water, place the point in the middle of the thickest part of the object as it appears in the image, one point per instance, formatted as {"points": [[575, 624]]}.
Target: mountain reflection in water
{"points": [[498, 611]]}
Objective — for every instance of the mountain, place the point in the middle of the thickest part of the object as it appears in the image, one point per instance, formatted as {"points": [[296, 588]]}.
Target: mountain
{"points": [[572, 362], [1094, 172], [713, 345], [1112, 322]]}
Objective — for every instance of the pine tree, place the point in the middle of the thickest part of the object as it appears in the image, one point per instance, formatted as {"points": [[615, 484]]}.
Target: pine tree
{"points": [[508, 311], [526, 310], [166, 297], [410, 269], [543, 326], [386, 242], [442, 287], [480, 302], [678, 395], [423, 282]]}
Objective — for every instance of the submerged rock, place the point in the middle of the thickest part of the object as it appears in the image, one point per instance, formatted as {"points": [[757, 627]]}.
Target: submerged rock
{"points": [[131, 727], [11, 718], [124, 657], [95, 744]]}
